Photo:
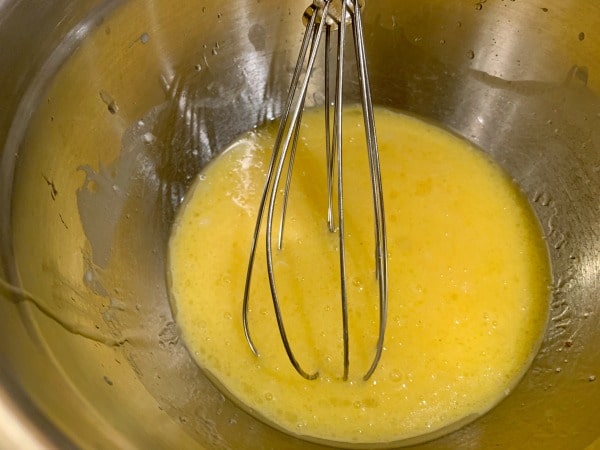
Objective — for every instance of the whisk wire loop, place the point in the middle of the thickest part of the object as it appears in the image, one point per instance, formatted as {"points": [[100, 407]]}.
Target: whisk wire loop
{"points": [[322, 17], [270, 173], [381, 268], [291, 129]]}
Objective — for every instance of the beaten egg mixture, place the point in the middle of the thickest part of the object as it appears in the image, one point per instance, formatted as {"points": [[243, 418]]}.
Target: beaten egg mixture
{"points": [[468, 283]]}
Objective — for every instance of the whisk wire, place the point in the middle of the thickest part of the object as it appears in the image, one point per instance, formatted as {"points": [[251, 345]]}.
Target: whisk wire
{"points": [[340, 187], [296, 114], [278, 159], [291, 130], [328, 145], [270, 172], [381, 268]]}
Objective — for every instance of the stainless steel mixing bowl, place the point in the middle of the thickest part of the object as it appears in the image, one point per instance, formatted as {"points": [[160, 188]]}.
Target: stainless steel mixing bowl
{"points": [[107, 111]]}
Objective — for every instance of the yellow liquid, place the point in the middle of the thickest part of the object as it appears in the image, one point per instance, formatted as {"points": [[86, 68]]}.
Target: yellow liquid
{"points": [[468, 277]]}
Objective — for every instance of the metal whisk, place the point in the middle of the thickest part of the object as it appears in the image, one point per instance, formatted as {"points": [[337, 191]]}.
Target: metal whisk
{"points": [[323, 17]]}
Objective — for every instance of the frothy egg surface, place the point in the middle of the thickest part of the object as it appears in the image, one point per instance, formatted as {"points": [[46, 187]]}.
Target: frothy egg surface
{"points": [[468, 283]]}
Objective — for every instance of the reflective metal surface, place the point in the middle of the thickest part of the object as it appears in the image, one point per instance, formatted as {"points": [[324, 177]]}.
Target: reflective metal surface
{"points": [[108, 110]]}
